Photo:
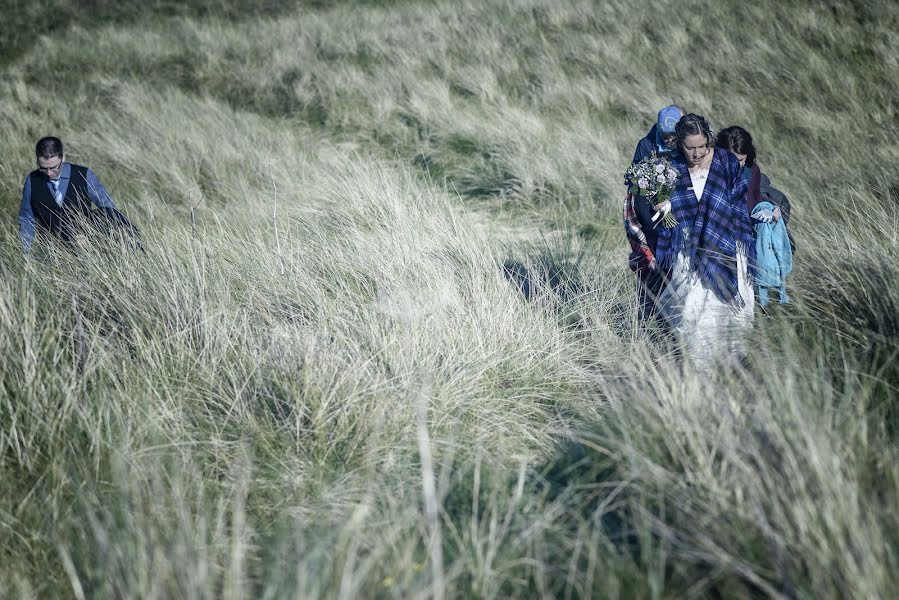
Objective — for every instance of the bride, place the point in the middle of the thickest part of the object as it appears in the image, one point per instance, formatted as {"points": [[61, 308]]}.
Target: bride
{"points": [[709, 301]]}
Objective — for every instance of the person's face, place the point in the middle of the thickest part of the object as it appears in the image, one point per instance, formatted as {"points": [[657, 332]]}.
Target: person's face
{"points": [[696, 148], [51, 167], [742, 158], [669, 140]]}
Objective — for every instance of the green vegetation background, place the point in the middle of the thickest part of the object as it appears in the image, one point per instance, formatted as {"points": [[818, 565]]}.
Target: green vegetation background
{"points": [[318, 382]]}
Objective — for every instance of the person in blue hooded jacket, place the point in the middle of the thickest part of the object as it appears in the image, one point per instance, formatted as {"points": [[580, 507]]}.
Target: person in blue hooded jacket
{"points": [[661, 137], [641, 232]]}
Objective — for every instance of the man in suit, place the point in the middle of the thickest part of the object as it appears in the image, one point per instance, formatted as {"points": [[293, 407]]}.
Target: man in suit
{"points": [[61, 198]]}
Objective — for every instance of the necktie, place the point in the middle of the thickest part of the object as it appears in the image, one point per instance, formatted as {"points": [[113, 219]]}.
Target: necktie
{"points": [[57, 195]]}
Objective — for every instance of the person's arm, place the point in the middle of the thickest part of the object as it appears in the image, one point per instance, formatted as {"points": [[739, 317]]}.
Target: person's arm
{"points": [[644, 148], [113, 215], [777, 198], [639, 154], [784, 210], [743, 232], [754, 193], [780, 200], [641, 254], [26, 218], [98, 193]]}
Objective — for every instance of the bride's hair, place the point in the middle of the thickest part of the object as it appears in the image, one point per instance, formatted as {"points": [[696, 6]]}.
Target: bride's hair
{"points": [[693, 124]]}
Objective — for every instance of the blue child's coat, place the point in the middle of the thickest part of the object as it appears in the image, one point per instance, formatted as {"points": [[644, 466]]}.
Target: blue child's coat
{"points": [[773, 255]]}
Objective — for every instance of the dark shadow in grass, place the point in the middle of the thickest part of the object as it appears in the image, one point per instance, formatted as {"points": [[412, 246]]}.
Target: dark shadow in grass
{"points": [[563, 273], [502, 184], [560, 278], [586, 480], [860, 296], [572, 493], [549, 268], [545, 277]]}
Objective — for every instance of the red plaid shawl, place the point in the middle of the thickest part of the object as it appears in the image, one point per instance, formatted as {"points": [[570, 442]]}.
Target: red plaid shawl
{"points": [[709, 230], [641, 253]]}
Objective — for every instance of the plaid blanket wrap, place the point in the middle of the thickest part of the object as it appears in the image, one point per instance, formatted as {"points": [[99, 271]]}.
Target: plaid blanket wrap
{"points": [[709, 231], [641, 254]]}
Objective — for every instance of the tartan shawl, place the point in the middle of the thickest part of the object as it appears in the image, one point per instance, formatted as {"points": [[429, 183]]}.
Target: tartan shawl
{"points": [[641, 254], [709, 231]]}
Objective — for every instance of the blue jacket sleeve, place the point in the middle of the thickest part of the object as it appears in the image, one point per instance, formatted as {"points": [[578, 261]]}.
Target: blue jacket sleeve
{"points": [[97, 192], [646, 145], [644, 149], [26, 218]]}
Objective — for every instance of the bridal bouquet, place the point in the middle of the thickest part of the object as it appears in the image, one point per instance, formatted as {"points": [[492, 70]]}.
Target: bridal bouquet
{"points": [[653, 178]]}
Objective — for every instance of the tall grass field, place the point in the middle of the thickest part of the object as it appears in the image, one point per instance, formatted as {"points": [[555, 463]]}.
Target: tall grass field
{"points": [[382, 340]]}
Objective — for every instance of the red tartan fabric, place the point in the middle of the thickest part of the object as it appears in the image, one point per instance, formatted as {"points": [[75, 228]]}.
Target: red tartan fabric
{"points": [[641, 254]]}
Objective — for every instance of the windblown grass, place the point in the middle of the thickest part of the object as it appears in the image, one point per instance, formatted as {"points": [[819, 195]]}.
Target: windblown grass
{"points": [[334, 201]]}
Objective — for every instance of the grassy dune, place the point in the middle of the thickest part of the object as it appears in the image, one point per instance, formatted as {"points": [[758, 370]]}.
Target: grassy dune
{"points": [[319, 380]]}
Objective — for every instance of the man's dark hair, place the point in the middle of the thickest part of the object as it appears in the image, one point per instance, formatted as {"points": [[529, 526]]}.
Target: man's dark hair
{"points": [[737, 140], [48, 147]]}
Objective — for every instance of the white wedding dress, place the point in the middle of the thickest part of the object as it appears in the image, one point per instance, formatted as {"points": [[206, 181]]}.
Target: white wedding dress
{"points": [[709, 329]]}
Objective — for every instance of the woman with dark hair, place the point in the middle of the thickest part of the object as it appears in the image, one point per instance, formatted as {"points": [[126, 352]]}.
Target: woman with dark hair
{"points": [[739, 142], [769, 209], [708, 301]]}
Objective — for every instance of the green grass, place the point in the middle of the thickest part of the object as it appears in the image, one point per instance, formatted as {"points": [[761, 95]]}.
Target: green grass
{"points": [[329, 194]]}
